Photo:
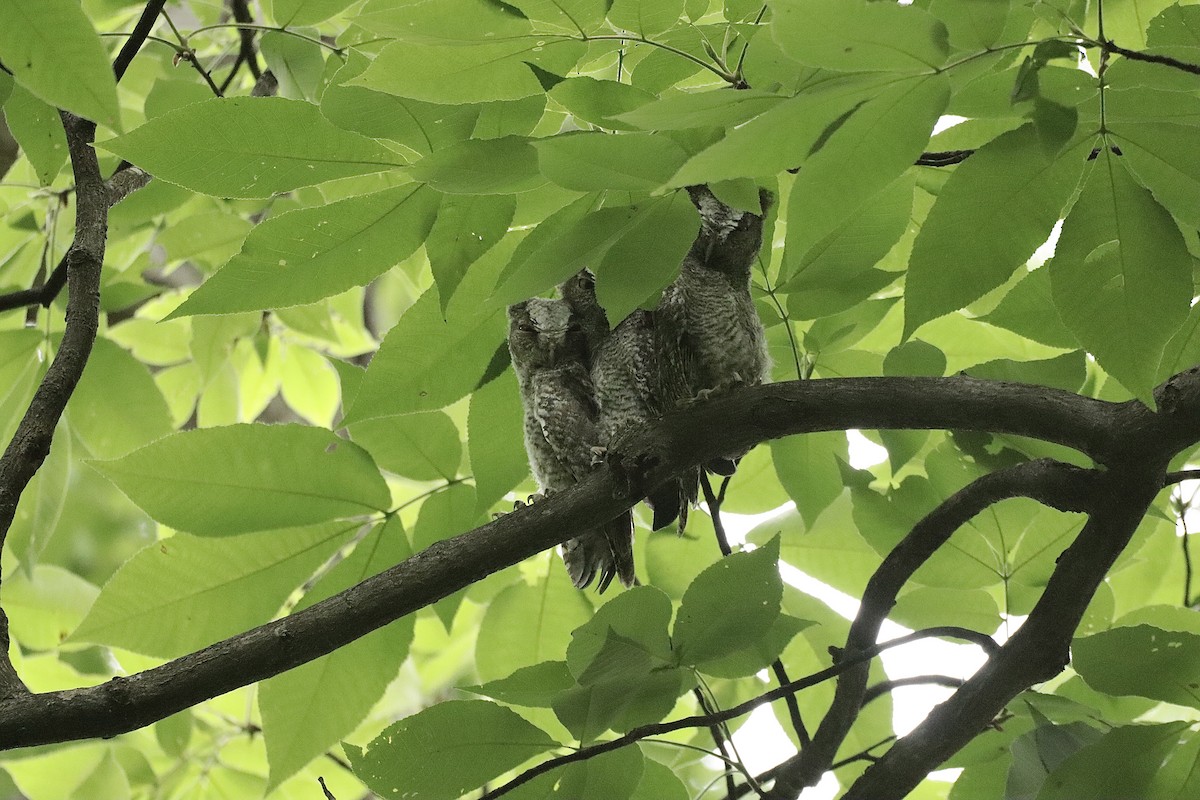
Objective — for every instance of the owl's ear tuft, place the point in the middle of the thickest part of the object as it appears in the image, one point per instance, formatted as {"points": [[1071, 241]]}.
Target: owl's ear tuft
{"points": [[517, 310]]}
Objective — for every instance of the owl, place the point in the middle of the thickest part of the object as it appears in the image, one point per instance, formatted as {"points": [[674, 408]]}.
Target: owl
{"points": [[709, 332], [626, 373], [550, 356]]}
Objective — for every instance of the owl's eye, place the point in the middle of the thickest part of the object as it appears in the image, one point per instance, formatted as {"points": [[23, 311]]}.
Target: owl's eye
{"points": [[527, 328], [574, 327]]}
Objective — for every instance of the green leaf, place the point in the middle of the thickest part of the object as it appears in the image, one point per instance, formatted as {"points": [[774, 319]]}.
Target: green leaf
{"points": [[1122, 763], [248, 147], [298, 64], [659, 783], [447, 21], [1008, 194], [536, 685], [495, 439], [466, 228], [39, 131], [421, 127], [52, 50], [1121, 276], [447, 749], [857, 36], [758, 655], [481, 166], [423, 447], [428, 360], [641, 616], [307, 710], [729, 605], [591, 160], [915, 358], [1157, 152], [646, 258], [925, 607], [117, 407], [1028, 309], [1141, 660], [183, 593], [624, 687], [645, 17], [41, 506], [526, 624], [972, 24], [312, 253], [294, 13], [44, 608], [576, 240], [222, 481], [572, 15], [599, 102], [863, 156], [807, 467], [609, 776], [720, 108], [854, 246], [475, 73], [783, 135]]}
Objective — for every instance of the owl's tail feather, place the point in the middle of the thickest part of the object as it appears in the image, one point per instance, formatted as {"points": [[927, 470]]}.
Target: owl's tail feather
{"points": [[672, 500], [606, 553]]}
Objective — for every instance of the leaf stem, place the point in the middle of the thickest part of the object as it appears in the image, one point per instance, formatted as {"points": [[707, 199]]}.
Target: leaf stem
{"points": [[252, 26], [616, 37]]}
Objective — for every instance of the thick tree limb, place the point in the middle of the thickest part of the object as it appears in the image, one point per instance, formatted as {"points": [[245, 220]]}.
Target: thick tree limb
{"points": [[1058, 485], [31, 442], [1037, 652], [1108, 431]]}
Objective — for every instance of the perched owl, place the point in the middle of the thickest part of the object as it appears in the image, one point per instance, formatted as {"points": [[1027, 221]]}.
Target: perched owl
{"points": [[579, 292], [709, 332], [550, 356], [627, 375]]}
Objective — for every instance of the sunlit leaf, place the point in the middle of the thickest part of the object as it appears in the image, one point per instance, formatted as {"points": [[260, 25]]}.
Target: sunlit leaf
{"points": [[52, 50], [447, 749], [223, 481], [248, 147]]}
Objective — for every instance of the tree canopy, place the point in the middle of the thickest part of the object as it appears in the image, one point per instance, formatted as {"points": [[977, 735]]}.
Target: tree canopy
{"points": [[263, 439]]}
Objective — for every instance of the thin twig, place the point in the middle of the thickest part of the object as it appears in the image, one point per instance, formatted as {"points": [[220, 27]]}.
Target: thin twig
{"points": [[1180, 476], [718, 735], [137, 37], [1134, 55], [883, 687], [713, 500]]}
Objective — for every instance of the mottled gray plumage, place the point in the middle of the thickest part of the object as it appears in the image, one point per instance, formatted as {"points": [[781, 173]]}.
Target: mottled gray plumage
{"points": [[550, 356], [709, 330], [626, 373]]}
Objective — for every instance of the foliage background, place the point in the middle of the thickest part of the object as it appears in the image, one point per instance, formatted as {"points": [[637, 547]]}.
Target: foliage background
{"points": [[426, 163]]}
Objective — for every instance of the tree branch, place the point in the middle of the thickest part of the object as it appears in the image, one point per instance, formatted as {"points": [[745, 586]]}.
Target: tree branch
{"points": [[137, 37], [1037, 651], [1110, 46], [724, 424], [1058, 485], [706, 720], [123, 183], [31, 441], [883, 687]]}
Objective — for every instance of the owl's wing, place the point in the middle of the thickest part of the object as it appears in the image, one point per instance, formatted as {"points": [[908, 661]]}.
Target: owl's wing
{"points": [[676, 368], [565, 410]]}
